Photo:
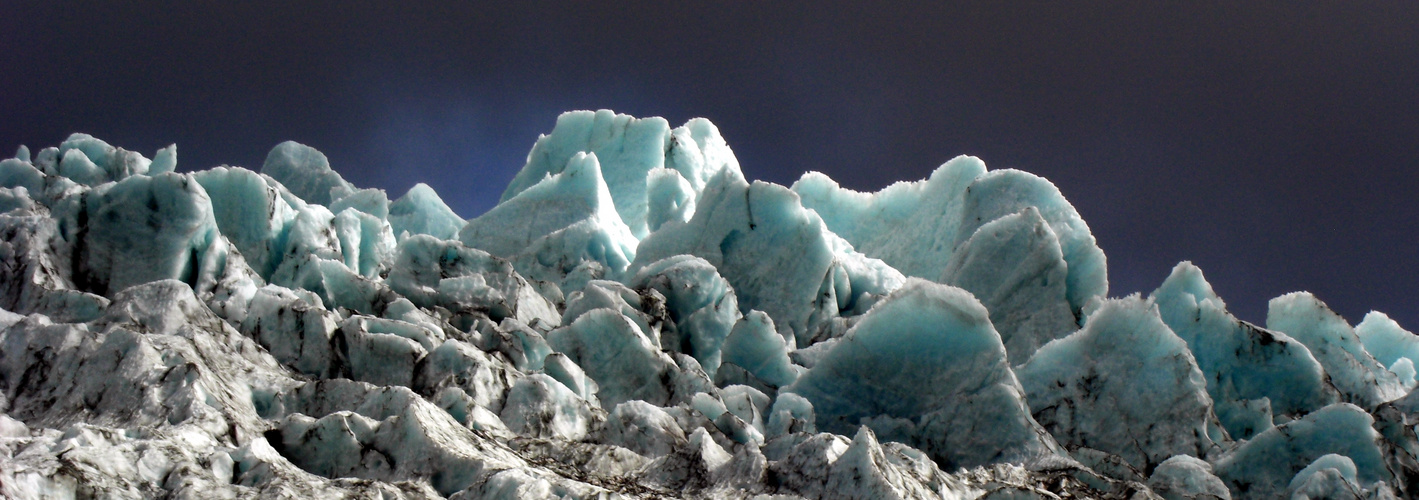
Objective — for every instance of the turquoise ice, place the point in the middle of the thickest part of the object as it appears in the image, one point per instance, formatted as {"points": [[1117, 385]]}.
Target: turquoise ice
{"points": [[637, 317]]}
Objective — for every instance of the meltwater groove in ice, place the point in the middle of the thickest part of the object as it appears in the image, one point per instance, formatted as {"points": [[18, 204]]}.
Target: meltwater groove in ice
{"points": [[637, 319]]}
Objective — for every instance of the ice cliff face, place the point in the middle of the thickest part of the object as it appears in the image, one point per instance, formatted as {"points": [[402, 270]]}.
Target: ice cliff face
{"points": [[636, 319]]}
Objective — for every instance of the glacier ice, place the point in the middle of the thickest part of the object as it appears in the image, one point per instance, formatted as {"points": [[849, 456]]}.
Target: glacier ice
{"points": [[778, 256], [250, 213], [631, 149], [553, 228], [949, 390], [540, 406], [430, 273], [1254, 376], [371, 201], [306, 172], [1330, 476], [612, 349], [701, 305], [873, 222], [1185, 477], [1390, 344], [960, 196], [1124, 385], [164, 222], [1359, 378], [645, 309], [1015, 266], [1003, 192], [756, 347], [90, 161], [419, 211], [1265, 466], [637, 319]]}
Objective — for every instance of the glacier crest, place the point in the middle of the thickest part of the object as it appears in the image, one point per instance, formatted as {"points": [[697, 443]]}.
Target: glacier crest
{"points": [[637, 319]]}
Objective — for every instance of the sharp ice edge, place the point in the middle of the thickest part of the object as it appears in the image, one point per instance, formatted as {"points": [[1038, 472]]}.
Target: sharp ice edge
{"points": [[635, 319]]}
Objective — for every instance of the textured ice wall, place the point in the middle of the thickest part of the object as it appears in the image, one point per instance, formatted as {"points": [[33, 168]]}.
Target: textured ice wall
{"points": [[636, 319]]}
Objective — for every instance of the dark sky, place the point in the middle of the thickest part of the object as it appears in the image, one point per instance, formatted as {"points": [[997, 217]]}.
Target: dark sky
{"points": [[1274, 145]]}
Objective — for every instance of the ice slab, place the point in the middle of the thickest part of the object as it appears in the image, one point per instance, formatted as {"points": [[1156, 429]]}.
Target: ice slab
{"points": [[17, 173], [615, 353], [1124, 384], [1186, 477], [1265, 466], [668, 197], [90, 161], [549, 229], [38, 279], [250, 212], [643, 428], [1015, 266], [949, 374], [777, 256], [1360, 379], [164, 161], [484, 378], [646, 310], [1388, 342], [945, 210], [142, 229], [629, 149], [540, 406], [701, 305], [370, 201], [306, 172], [754, 345], [1003, 192], [1330, 476], [420, 211], [911, 226], [431, 272], [1254, 375]]}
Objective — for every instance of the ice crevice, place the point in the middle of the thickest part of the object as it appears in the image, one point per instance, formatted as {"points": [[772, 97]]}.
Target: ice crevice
{"points": [[636, 318]]}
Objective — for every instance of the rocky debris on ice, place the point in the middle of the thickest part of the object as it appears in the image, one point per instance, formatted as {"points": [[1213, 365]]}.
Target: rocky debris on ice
{"points": [[636, 319]]}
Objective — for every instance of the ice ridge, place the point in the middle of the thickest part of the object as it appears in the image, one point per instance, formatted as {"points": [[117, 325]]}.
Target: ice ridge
{"points": [[637, 319]]}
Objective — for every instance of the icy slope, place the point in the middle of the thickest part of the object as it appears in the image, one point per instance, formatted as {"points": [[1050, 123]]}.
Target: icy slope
{"points": [[636, 319]]}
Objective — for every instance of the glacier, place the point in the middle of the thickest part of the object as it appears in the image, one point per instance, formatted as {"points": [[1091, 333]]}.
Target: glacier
{"points": [[636, 318]]}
